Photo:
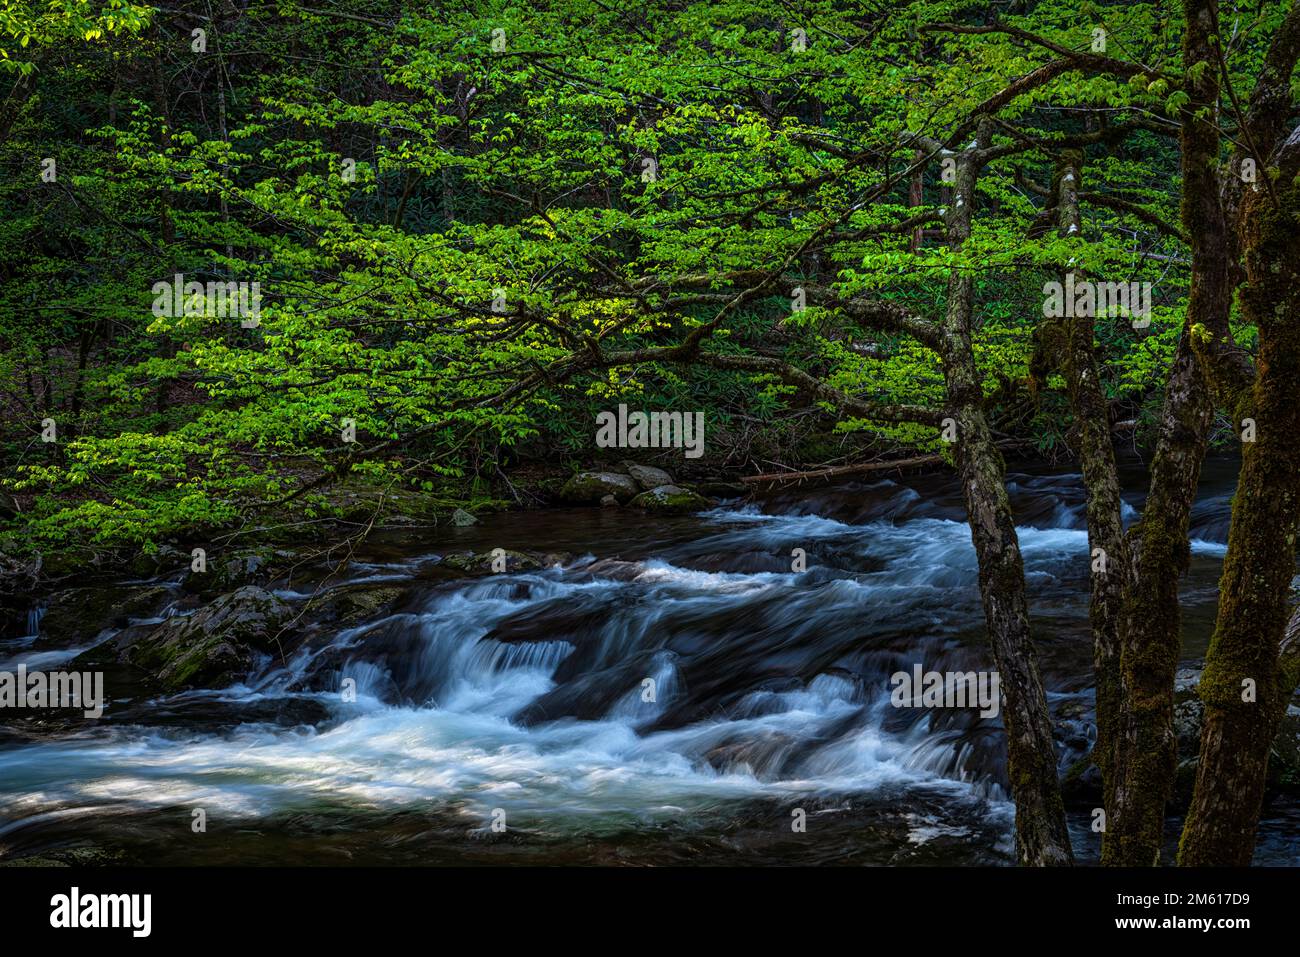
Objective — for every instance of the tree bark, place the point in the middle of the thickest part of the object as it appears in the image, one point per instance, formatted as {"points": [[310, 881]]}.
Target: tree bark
{"points": [[1108, 550], [1242, 686], [1146, 747], [1041, 835]]}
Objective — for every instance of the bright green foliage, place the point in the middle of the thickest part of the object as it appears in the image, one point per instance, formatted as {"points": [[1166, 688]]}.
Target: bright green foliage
{"points": [[25, 25], [440, 206]]}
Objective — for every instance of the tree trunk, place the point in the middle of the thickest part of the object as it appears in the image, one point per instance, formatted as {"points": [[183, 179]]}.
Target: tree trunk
{"points": [[1146, 747], [1108, 550], [1241, 687], [1041, 835]]}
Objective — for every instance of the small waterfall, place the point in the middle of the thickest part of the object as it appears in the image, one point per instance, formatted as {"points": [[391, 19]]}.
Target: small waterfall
{"points": [[34, 616]]}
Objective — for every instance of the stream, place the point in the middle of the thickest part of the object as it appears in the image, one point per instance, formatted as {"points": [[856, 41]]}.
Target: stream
{"points": [[524, 698]]}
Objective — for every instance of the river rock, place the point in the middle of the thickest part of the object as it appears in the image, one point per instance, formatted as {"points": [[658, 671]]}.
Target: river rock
{"points": [[216, 645], [670, 499], [507, 560], [75, 615], [461, 518], [647, 476], [609, 501], [588, 488], [1189, 719], [18, 575], [224, 573], [614, 568], [162, 560]]}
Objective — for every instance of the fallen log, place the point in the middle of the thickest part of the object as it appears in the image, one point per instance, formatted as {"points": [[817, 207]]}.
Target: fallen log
{"points": [[864, 468], [841, 470]]}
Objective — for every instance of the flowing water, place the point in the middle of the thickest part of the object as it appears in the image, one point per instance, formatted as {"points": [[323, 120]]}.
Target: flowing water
{"points": [[526, 698]]}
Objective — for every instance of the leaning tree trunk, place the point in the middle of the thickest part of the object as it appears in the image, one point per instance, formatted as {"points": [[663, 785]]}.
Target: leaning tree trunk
{"points": [[1242, 688], [1041, 834]]}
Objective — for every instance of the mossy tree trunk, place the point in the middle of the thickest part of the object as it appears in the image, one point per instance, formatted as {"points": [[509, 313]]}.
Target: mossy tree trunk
{"points": [[1041, 835], [1146, 746], [1243, 687], [1108, 550]]}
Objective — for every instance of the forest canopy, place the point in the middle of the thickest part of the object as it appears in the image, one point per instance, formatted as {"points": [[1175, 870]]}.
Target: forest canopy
{"points": [[470, 230]]}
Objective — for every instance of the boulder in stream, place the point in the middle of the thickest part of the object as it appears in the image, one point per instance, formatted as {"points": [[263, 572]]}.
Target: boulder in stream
{"points": [[670, 499], [647, 476], [213, 647], [588, 488], [502, 560], [226, 572]]}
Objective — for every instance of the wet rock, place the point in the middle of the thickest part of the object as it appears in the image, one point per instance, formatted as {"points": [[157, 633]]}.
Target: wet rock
{"points": [[461, 518], [1081, 786], [18, 575], [717, 488], [588, 488], [670, 499], [224, 573], [358, 604], [216, 645], [647, 477], [609, 501], [504, 560], [615, 568], [1189, 716], [587, 695], [88, 856], [1189, 719], [1284, 759], [76, 615], [164, 559]]}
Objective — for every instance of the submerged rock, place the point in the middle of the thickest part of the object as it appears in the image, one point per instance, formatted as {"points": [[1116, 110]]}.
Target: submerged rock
{"points": [[588, 488], [670, 499], [215, 646]]}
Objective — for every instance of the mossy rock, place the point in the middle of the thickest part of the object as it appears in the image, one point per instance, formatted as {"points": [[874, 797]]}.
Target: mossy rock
{"points": [[358, 604], [670, 499], [1081, 784], [1284, 758], [162, 560], [34, 862], [18, 574], [226, 572], [75, 615], [215, 646], [588, 488], [70, 857], [481, 563]]}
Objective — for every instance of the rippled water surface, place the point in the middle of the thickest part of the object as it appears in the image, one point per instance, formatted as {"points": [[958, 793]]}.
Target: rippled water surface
{"points": [[523, 697]]}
